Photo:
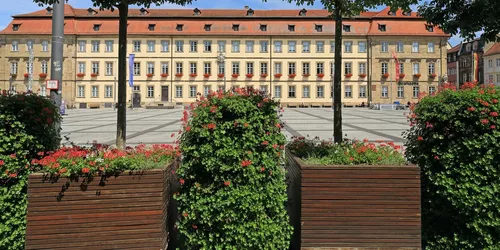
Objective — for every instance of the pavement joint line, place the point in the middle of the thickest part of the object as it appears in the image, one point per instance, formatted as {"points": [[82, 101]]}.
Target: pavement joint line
{"points": [[378, 119], [393, 138], [114, 123], [146, 131], [107, 113], [292, 131]]}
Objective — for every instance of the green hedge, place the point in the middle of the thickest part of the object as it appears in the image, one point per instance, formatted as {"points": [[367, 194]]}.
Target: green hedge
{"points": [[455, 140], [26, 129], [233, 190]]}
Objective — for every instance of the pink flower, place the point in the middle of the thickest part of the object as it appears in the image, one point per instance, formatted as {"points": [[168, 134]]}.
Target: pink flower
{"points": [[213, 109], [436, 157], [246, 163], [420, 138], [278, 125], [485, 121], [428, 125], [494, 114], [227, 183], [211, 126], [13, 156], [181, 181], [494, 101], [471, 109], [172, 135], [493, 127], [85, 170], [2, 163], [275, 146], [265, 143], [351, 158]]}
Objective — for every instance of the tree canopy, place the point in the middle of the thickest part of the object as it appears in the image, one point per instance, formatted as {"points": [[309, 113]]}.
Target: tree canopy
{"points": [[464, 17], [354, 7], [112, 4]]}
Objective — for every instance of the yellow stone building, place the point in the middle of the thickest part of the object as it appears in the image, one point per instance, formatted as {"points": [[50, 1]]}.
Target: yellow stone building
{"points": [[491, 66], [180, 53]]}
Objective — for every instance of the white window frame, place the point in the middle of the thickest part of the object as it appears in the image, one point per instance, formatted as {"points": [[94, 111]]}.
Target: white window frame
{"points": [[384, 93], [179, 46], [249, 46], [108, 91], [193, 46], [95, 46], [320, 91], [150, 91], [109, 46], [165, 46], [277, 91], [235, 46], [178, 91], [416, 91], [80, 91], [109, 68], [45, 46], [415, 47], [14, 46], [151, 45], [278, 47], [207, 46], [94, 91], [150, 68], [401, 92], [136, 45]]}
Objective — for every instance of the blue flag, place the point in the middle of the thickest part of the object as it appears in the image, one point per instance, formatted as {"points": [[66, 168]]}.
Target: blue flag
{"points": [[131, 70]]}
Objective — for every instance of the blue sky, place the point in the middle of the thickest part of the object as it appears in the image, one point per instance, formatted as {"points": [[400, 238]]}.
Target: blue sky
{"points": [[10, 8]]}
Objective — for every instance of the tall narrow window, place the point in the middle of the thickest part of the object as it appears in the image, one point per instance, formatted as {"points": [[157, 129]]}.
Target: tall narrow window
{"points": [[347, 68], [401, 92], [151, 46], [249, 46], [192, 68], [277, 68], [29, 45], [45, 46], [13, 68], [384, 67], [109, 68], [320, 68], [235, 46], [165, 68], [348, 91], [207, 68], [263, 68], [306, 69], [416, 91], [179, 46], [178, 68], [291, 68], [320, 91], [221, 46], [320, 46], [207, 46], [250, 68], [416, 68], [263, 46], [165, 46], [277, 46], [292, 46], [95, 46], [306, 46], [362, 91], [150, 92], [81, 91], [432, 68], [291, 91], [236, 68], [306, 91], [137, 46], [399, 47], [348, 47], [192, 91], [151, 68], [95, 91], [95, 68], [109, 45], [137, 68], [44, 67], [81, 45], [430, 47], [277, 91], [384, 47], [193, 46], [178, 91], [385, 92], [81, 67], [362, 68], [362, 47], [414, 47], [108, 91]]}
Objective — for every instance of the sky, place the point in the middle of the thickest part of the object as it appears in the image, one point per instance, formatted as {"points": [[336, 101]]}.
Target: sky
{"points": [[10, 8]]}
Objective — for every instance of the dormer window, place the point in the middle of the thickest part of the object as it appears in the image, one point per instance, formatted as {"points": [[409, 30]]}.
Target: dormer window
{"points": [[144, 12], [250, 12], [151, 27], [291, 27], [49, 10], [407, 13], [179, 27], [208, 27], [15, 27], [391, 13], [318, 27], [97, 27], [91, 12], [382, 27], [303, 12], [263, 27], [236, 27], [429, 28], [196, 12], [347, 28]]}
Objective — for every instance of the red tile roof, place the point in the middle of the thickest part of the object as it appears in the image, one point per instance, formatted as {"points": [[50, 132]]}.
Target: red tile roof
{"points": [[494, 50], [79, 21], [455, 49]]}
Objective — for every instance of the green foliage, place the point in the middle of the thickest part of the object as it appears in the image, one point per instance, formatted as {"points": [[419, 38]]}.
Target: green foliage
{"points": [[455, 140], [347, 153], [112, 4], [103, 160], [26, 128], [233, 190], [464, 17]]}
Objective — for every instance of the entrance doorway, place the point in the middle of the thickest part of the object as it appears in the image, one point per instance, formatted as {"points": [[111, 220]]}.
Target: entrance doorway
{"points": [[136, 100], [164, 93]]}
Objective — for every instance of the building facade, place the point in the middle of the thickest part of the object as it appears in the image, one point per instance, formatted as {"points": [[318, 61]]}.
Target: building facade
{"points": [[470, 62], [491, 59], [453, 64], [180, 53]]}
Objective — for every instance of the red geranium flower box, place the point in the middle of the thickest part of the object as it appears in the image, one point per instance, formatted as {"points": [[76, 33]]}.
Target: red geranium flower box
{"points": [[348, 75], [206, 75], [277, 75], [263, 75], [149, 75], [193, 75], [80, 74], [249, 75], [417, 75], [178, 75], [362, 75], [220, 75], [432, 75], [164, 75], [385, 75], [42, 75], [306, 75], [402, 75], [93, 75], [235, 75], [26, 75], [292, 75], [321, 75]]}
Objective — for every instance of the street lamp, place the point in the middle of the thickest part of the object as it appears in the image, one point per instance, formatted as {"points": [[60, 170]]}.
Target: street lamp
{"points": [[221, 60]]}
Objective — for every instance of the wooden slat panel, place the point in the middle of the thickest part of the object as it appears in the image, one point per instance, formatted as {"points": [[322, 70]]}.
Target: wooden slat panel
{"points": [[359, 206], [124, 212]]}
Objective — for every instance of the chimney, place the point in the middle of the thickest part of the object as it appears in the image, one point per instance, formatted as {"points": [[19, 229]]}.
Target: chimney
{"points": [[247, 7]]}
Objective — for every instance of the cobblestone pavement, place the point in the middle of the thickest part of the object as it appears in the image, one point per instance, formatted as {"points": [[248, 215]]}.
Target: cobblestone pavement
{"points": [[83, 126]]}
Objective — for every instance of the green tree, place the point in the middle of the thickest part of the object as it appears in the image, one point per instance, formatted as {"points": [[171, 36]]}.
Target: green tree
{"points": [[464, 17], [122, 6], [340, 9]]}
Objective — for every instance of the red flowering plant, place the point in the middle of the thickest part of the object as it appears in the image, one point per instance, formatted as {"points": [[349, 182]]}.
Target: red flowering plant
{"points": [[232, 182], [26, 128], [454, 138], [103, 160], [349, 152]]}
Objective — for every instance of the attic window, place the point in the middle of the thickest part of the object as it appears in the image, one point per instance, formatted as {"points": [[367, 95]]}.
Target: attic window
{"points": [[263, 27], [391, 13], [97, 27], [208, 27], [151, 27], [15, 27], [407, 13], [250, 12], [303, 12], [291, 27], [236, 27], [179, 27], [49, 10], [144, 12], [91, 12], [429, 28], [382, 27], [347, 28], [196, 12], [318, 28]]}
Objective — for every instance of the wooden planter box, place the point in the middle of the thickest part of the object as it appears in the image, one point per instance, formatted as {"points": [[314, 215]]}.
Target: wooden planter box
{"points": [[355, 207], [124, 212]]}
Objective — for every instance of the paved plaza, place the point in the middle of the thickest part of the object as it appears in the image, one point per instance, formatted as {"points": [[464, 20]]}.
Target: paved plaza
{"points": [[83, 126]]}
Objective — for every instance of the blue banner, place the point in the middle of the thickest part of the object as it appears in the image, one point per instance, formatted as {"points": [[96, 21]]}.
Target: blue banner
{"points": [[131, 70]]}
